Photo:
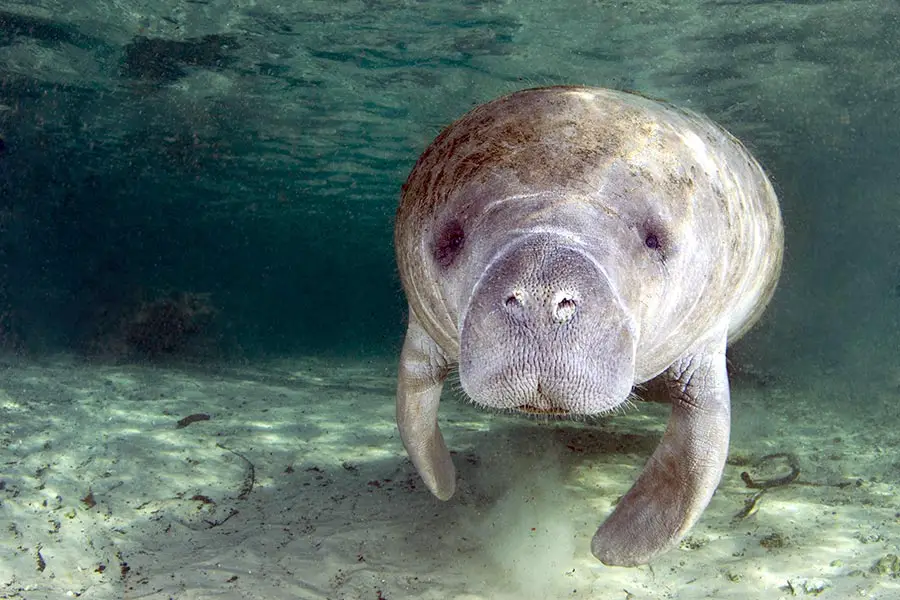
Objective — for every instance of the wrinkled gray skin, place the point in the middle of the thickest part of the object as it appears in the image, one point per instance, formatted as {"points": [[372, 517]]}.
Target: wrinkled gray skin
{"points": [[561, 245]]}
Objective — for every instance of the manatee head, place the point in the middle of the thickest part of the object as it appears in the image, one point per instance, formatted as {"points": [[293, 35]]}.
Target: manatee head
{"points": [[551, 223]]}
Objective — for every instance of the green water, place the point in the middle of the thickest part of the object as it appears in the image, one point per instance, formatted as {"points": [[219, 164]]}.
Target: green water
{"points": [[255, 152]]}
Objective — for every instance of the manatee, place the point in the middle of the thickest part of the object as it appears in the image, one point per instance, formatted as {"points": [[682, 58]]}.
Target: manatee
{"points": [[565, 247]]}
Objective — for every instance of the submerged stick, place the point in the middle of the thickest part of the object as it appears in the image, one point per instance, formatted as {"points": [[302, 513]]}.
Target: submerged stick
{"points": [[778, 481], [751, 504]]}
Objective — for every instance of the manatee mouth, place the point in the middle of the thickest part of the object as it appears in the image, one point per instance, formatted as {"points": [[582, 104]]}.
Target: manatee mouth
{"points": [[537, 410]]}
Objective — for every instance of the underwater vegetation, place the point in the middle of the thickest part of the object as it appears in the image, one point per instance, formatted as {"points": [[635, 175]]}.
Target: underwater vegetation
{"points": [[163, 61], [176, 323]]}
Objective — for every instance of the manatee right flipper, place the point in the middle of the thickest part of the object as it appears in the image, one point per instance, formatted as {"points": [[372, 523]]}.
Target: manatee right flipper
{"points": [[423, 368], [680, 478]]}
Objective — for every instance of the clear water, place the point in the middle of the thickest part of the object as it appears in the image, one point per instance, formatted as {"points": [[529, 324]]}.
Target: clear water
{"points": [[242, 161]]}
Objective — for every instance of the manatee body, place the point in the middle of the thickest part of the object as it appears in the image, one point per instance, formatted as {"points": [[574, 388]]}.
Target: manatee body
{"points": [[561, 245]]}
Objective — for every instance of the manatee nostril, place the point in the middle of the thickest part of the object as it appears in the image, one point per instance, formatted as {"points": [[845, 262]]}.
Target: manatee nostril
{"points": [[515, 304], [565, 303], [564, 307], [513, 301]]}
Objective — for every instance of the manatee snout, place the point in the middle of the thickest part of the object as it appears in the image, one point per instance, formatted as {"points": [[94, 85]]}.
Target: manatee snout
{"points": [[545, 332]]}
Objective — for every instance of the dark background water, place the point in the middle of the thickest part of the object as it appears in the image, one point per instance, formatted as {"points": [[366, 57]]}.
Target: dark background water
{"points": [[253, 155]]}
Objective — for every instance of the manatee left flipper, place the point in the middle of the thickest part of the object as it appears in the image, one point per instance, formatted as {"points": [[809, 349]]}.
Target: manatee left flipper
{"points": [[423, 368], [680, 478]]}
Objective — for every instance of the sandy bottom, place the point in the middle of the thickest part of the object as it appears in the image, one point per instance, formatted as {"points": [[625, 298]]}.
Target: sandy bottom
{"points": [[297, 487]]}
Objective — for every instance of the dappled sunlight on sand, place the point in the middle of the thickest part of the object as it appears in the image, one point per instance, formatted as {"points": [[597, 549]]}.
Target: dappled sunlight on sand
{"points": [[298, 484]]}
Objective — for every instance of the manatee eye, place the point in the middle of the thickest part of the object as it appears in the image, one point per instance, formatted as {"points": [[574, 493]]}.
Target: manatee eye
{"points": [[449, 244], [656, 238]]}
